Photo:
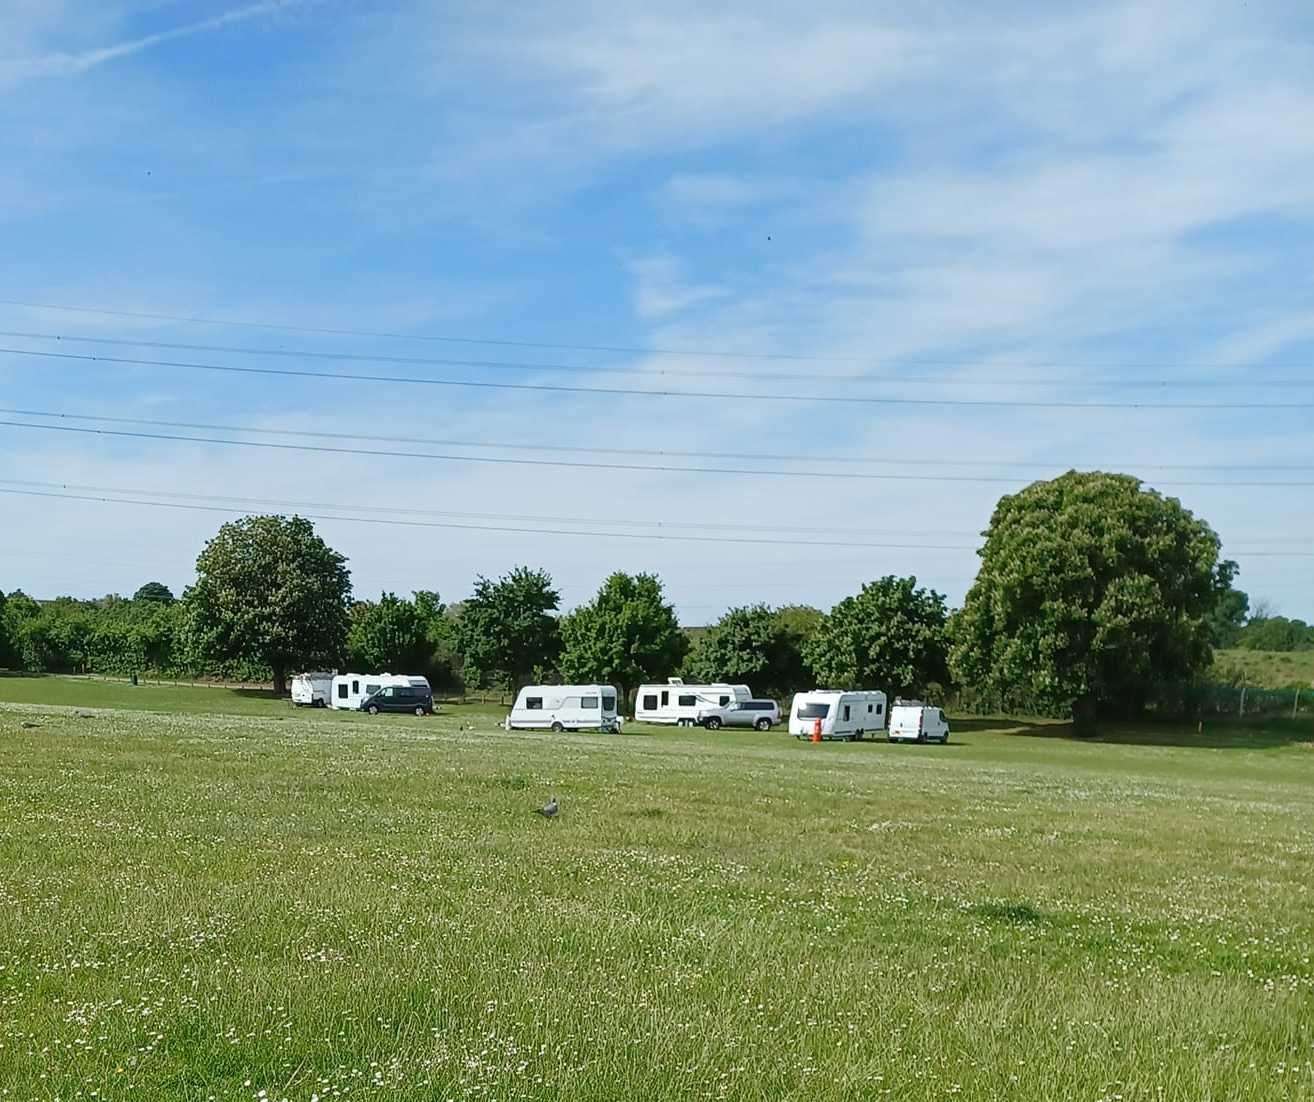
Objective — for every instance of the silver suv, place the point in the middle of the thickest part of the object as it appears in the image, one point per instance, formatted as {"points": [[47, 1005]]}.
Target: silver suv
{"points": [[759, 714]]}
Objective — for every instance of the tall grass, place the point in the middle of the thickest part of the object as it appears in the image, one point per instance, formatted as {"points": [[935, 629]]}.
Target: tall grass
{"points": [[201, 906]]}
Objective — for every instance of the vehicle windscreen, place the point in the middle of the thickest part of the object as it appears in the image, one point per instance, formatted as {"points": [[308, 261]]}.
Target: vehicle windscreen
{"points": [[813, 711]]}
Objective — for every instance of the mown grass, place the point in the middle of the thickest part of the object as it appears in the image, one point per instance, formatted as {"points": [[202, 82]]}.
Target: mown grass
{"points": [[1267, 669], [203, 906]]}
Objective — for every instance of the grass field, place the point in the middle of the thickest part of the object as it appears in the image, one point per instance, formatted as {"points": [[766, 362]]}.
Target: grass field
{"points": [[197, 903], [1267, 669]]}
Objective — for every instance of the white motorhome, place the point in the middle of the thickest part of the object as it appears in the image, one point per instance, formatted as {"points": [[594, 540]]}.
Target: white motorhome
{"points": [[312, 690], [678, 703], [349, 689], [913, 721], [564, 708], [837, 715]]}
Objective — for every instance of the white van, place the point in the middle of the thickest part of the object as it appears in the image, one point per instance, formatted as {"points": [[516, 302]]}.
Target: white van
{"points": [[564, 708], [913, 721], [312, 690], [350, 689], [678, 703], [836, 714]]}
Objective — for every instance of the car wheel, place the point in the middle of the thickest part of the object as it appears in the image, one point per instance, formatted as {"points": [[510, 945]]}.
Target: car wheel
{"points": [[557, 728], [373, 709], [714, 724], [419, 709], [763, 725], [858, 736], [945, 741]]}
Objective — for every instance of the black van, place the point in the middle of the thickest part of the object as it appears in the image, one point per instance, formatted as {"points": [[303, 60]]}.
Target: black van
{"points": [[399, 698]]}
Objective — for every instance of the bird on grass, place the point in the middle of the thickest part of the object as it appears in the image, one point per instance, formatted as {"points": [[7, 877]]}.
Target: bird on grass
{"points": [[548, 810], [29, 726]]}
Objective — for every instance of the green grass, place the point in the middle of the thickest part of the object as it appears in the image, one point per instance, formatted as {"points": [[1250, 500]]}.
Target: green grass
{"points": [[203, 904], [1267, 669]]}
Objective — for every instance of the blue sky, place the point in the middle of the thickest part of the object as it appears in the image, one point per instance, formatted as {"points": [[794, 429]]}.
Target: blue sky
{"points": [[960, 202]]}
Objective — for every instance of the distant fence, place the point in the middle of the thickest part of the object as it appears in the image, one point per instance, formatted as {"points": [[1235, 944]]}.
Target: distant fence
{"points": [[1245, 700]]}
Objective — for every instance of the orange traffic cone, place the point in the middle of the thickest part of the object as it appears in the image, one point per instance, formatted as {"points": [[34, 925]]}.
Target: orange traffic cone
{"points": [[816, 730]]}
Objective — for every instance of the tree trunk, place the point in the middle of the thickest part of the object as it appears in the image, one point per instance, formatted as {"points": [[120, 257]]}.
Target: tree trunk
{"points": [[280, 679], [1083, 716]]}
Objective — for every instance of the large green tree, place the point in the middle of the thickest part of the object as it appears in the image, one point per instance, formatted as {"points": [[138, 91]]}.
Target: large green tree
{"points": [[756, 645], [154, 591], [507, 629], [626, 635], [269, 589], [889, 636], [387, 634], [1228, 618], [1092, 591]]}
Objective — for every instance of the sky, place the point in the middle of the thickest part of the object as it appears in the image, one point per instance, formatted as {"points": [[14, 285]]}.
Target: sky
{"points": [[918, 255]]}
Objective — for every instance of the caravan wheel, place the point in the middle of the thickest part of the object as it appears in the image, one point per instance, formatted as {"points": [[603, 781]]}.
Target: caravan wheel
{"points": [[557, 728]]}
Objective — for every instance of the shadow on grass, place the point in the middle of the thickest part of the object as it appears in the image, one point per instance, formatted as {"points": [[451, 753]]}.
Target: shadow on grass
{"points": [[22, 674], [1211, 734]]}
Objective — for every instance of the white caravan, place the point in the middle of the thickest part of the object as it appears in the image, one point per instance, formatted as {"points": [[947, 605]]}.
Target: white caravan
{"points": [[837, 715], [312, 690], [564, 708], [913, 721], [349, 689], [676, 702]]}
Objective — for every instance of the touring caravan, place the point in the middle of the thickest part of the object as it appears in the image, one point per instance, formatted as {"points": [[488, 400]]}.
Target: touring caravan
{"points": [[678, 703], [564, 708], [312, 690], [837, 715], [351, 689]]}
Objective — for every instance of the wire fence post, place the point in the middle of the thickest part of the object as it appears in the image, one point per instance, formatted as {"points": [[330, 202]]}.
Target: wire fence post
{"points": [[1242, 710]]}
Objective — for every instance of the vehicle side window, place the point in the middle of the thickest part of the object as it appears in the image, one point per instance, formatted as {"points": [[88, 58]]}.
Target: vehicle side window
{"points": [[389, 692], [941, 715], [846, 711], [724, 701], [370, 690], [879, 708], [355, 688], [666, 698], [869, 707], [342, 691], [534, 703], [588, 702], [650, 701], [688, 701], [608, 703]]}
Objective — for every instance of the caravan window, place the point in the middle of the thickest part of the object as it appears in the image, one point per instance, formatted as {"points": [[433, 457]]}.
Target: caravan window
{"points": [[608, 703], [666, 698], [355, 688], [813, 711], [588, 702], [342, 691], [879, 707], [846, 711], [534, 703], [724, 701], [370, 690], [650, 702], [688, 701]]}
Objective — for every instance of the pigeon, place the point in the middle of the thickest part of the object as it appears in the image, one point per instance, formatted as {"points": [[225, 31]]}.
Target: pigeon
{"points": [[549, 810], [29, 726]]}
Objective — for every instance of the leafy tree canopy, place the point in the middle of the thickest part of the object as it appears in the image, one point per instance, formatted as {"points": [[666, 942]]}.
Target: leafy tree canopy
{"points": [[154, 591], [269, 589], [1091, 590], [757, 646], [507, 628]]}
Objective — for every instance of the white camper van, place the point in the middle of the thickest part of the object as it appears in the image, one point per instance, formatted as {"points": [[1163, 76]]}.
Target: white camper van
{"points": [[913, 721], [678, 703], [837, 715], [312, 690], [349, 689], [564, 708]]}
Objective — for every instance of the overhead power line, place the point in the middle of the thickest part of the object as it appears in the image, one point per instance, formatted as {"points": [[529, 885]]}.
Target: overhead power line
{"points": [[589, 465], [200, 503], [625, 392], [619, 349], [661, 453], [526, 530], [1248, 380]]}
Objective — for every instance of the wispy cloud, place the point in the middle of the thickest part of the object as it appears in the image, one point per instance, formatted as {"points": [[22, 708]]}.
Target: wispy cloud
{"points": [[65, 64]]}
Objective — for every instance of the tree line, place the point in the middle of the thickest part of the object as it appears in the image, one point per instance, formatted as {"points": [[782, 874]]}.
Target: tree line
{"points": [[1094, 595]]}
